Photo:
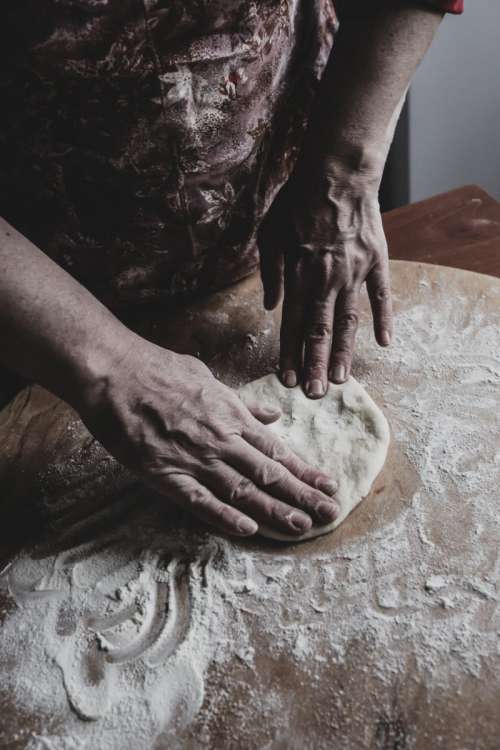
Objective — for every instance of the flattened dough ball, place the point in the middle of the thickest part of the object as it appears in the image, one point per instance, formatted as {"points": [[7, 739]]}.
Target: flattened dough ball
{"points": [[344, 434]]}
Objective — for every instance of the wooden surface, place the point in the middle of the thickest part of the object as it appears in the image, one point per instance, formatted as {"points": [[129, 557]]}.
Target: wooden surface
{"points": [[398, 609], [460, 229]]}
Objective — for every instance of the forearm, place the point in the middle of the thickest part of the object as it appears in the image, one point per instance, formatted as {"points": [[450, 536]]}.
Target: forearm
{"points": [[376, 52], [153, 410], [323, 237], [52, 330]]}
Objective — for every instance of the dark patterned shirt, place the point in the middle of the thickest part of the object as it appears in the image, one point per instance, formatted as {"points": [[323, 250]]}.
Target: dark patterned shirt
{"points": [[142, 140]]}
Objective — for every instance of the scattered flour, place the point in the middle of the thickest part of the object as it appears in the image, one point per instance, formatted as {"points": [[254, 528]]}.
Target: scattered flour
{"points": [[126, 629]]}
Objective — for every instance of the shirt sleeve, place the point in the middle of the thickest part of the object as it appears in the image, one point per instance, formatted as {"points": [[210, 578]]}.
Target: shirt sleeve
{"points": [[448, 6]]}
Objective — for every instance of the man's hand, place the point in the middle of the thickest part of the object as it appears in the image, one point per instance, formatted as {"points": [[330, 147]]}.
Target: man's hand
{"points": [[323, 236], [161, 414], [191, 438]]}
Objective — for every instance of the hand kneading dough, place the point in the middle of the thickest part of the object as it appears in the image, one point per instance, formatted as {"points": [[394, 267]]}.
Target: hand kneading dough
{"points": [[344, 434]]}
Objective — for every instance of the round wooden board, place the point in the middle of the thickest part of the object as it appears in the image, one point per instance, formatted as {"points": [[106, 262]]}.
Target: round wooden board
{"points": [[384, 634]]}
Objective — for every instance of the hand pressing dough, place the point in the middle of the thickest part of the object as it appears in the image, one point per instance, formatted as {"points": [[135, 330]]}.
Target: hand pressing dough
{"points": [[344, 434]]}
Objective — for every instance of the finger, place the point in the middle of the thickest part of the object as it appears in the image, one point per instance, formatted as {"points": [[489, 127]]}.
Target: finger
{"points": [[187, 492], [265, 414], [318, 342], [292, 321], [275, 449], [240, 492], [278, 482], [271, 265], [379, 292], [345, 326]]}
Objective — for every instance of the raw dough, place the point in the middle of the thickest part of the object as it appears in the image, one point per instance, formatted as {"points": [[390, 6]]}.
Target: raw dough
{"points": [[344, 434]]}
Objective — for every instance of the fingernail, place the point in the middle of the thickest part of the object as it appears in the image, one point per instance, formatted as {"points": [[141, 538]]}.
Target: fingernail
{"points": [[385, 338], [247, 526], [289, 378], [339, 374], [327, 511], [300, 523], [328, 486], [315, 388]]}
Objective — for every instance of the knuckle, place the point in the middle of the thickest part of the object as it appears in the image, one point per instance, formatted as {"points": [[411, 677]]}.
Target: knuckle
{"points": [[309, 476], [240, 490], [341, 356], [277, 452], [313, 476], [279, 517], [315, 367], [350, 319], [315, 499], [385, 320], [270, 477], [382, 293], [320, 331], [342, 353], [276, 511], [198, 498]]}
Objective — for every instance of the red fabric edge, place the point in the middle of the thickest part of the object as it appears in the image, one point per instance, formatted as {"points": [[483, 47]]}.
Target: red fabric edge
{"points": [[449, 6]]}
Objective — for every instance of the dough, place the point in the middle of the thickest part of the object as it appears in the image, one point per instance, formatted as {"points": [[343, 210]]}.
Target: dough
{"points": [[344, 434]]}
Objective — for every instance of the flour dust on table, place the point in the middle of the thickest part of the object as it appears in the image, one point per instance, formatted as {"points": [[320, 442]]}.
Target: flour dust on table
{"points": [[344, 434], [157, 635]]}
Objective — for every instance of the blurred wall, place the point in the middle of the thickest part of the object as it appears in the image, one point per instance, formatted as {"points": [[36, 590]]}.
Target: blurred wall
{"points": [[454, 106]]}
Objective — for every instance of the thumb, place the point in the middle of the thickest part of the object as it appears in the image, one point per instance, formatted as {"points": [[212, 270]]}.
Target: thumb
{"points": [[265, 414], [271, 273], [271, 259]]}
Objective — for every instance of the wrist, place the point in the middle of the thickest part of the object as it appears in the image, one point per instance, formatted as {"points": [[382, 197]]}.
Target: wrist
{"points": [[343, 185], [356, 165], [97, 366], [346, 166]]}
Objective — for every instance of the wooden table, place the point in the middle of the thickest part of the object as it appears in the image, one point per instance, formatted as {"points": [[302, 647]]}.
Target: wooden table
{"points": [[399, 608], [460, 229]]}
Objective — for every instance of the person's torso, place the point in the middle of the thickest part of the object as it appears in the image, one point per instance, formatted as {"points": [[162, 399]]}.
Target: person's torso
{"points": [[142, 139]]}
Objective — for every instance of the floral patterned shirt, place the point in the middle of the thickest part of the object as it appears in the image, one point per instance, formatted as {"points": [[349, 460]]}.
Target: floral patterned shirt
{"points": [[141, 141]]}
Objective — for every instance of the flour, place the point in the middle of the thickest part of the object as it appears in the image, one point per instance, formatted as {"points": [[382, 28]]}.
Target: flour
{"points": [[130, 629]]}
